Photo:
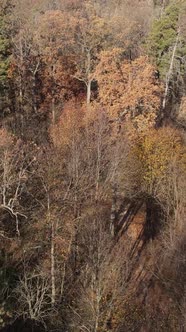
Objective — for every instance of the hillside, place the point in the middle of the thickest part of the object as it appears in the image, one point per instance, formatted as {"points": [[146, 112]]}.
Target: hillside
{"points": [[92, 166]]}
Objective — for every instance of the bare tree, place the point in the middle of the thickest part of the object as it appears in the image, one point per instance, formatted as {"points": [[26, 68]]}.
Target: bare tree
{"points": [[103, 275], [15, 173], [33, 293]]}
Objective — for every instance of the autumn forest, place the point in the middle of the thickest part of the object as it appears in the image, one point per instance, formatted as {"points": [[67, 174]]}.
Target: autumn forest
{"points": [[92, 165]]}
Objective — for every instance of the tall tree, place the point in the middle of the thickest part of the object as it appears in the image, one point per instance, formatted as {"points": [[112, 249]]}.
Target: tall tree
{"points": [[90, 36], [128, 89], [5, 8], [166, 45]]}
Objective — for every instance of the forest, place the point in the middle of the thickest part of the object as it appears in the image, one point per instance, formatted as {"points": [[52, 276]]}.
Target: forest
{"points": [[92, 165]]}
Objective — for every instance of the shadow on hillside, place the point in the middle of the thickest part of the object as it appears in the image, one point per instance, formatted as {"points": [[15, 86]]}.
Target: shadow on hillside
{"points": [[23, 326]]}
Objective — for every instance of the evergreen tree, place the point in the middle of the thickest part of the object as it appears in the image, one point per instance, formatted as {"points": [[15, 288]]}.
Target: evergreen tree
{"points": [[167, 47], [4, 46], [163, 36]]}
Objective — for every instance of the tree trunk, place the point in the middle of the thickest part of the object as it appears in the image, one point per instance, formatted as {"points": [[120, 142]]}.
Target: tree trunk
{"points": [[113, 211], [53, 111], [52, 253], [163, 5], [89, 81], [88, 92], [168, 78], [53, 295], [34, 93]]}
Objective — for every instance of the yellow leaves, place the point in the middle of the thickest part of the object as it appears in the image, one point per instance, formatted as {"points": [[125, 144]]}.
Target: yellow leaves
{"points": [[157, 151]]}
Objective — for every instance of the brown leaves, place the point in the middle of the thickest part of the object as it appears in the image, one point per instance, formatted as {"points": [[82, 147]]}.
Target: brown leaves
{"points": [[128, 89], [69, 126], [6, 139]]}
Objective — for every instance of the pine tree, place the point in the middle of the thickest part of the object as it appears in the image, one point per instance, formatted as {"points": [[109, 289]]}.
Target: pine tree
{"points": [[167, 47], [4, 46], [163, 37]]}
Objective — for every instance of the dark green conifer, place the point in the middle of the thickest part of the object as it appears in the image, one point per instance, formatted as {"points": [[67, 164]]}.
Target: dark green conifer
{"points": [[4, 46], [163, 37]]}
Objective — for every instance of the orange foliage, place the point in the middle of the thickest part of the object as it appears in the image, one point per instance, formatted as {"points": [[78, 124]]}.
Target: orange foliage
{"points": [[69, 125], [53, 35], [128, 88], [6, 139]]}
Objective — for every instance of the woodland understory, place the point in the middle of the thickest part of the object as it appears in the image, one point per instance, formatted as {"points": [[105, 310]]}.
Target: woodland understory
{"points": [[92, 165]]}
